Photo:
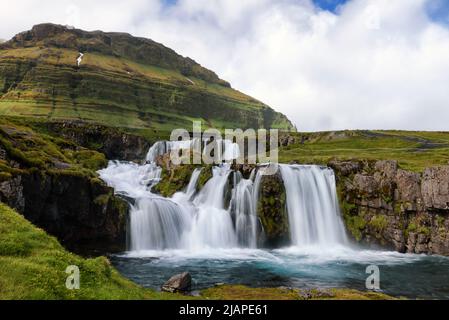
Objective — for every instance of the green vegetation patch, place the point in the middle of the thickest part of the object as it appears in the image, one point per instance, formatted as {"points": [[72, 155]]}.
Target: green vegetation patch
{"points": [[414, 151], [33, 264]]}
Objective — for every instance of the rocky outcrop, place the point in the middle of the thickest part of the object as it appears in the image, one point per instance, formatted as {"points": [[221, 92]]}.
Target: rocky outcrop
{"points": [[272, 213], [76, 210], [82, 213], [391, 207], [11, 193], [435, 188], [114, 143], [52, 182], [178, 283]]}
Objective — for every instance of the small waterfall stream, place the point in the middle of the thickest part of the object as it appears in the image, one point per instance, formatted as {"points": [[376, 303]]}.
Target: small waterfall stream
{"points": [[312, 206], [224, 213]]}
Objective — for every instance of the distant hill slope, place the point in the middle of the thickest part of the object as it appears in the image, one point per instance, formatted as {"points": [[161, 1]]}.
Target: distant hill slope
{"points": [[121, 81]]}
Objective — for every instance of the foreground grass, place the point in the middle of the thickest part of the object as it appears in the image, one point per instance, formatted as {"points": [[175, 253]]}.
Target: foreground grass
{"points": [[33, 264], [414, 151]]}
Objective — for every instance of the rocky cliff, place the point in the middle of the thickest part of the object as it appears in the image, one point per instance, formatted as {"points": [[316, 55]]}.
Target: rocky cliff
{"points": [[51, 180], [82, 213], [387, 206]]}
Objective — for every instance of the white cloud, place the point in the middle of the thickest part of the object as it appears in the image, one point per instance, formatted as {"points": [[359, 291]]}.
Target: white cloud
{"points": [[378, 64]]}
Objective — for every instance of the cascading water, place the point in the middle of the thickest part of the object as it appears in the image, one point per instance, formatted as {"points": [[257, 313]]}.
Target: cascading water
{"points": [[243, 207], [312, 206], [212, 226], [224, 213], [215, 232]]}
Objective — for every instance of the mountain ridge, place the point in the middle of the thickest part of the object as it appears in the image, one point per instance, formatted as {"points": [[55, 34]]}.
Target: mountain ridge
{"points": [[121, 80], [112, 43]]}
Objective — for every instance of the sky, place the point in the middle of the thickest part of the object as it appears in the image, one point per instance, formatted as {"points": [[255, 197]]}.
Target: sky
{"points": [[326, 64]]}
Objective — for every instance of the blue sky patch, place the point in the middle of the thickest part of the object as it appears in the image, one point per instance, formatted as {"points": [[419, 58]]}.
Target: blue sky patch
{"points": [[329, 5], [438, 10]]}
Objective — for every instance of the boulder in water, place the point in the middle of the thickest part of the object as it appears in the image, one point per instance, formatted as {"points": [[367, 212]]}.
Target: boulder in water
{"points": [[178, 283]]}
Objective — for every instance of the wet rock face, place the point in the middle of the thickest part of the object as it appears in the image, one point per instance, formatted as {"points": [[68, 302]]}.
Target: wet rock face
{"points": [[74, 209], [385, 205], [272, 213], [178, 283]]}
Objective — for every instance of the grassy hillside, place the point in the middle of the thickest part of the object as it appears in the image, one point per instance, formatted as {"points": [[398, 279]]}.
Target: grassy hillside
{"points": [[122, 81], [413, 150], [33, 264]]}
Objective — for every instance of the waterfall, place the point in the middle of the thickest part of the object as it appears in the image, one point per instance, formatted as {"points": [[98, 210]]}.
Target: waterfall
{"points": [[223, 214], [191, 187], [157, 223], [213, 226], [243, 207], [312, 205]]}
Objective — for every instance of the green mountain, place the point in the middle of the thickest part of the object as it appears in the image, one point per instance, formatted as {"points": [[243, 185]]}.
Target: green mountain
{"points": [[120, 80]]}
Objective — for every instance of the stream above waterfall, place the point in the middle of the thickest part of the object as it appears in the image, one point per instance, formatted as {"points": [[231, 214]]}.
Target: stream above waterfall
{"points": [[215, 234]]}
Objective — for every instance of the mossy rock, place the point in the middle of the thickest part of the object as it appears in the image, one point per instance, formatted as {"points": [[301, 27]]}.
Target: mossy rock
{"points": [[205, 175], [271, 210], [174, 180]]}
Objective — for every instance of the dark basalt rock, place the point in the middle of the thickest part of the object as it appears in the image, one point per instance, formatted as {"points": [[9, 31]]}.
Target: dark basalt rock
{"points": [[82, 213], [75, 209]]}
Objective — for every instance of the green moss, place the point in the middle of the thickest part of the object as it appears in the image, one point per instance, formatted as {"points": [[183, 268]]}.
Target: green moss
{"points": [[121, 205], [90, 159], [356, 225], [174, 180], [271, 210], [205, 175], [348, 208], [411, 228], [424, 230], [416, 226], [440, 220], [379, 223], [4, 176], [38, 150], [102, 199]]}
